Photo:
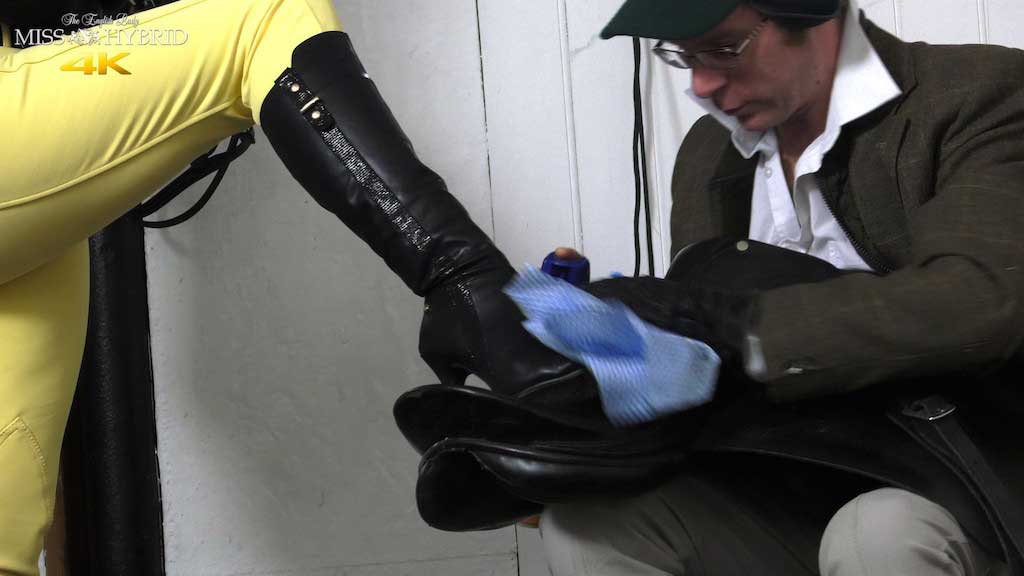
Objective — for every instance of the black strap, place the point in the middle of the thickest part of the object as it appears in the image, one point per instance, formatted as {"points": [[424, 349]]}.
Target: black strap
{"points": [[200, 168], [933, 423]]}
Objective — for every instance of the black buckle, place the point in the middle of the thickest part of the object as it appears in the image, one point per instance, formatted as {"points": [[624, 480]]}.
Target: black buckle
{"points": [[318, 115], [309, 104]]}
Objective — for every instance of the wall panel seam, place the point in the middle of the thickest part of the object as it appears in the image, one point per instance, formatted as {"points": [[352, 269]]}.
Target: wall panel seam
{"points": [[487, 133], [983, 28], [570, 126], [897, 23]]}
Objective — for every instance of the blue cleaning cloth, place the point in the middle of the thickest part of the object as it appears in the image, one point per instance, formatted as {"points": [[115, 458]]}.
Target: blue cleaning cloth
{"points": [[642, 371]]}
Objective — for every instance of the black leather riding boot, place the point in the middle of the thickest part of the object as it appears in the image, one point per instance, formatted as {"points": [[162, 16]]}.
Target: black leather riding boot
{"points": [[331, 128]]}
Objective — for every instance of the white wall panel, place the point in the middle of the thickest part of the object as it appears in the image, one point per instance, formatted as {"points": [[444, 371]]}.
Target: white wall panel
{"points": [[881, 12], [602, 75], [1005, 22], [425, 59], [939, 21], [528, 139], [672, 114], [531, 552]]}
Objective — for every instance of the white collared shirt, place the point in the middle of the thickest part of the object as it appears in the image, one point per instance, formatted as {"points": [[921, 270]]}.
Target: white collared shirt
{"points": [[802, 221]]}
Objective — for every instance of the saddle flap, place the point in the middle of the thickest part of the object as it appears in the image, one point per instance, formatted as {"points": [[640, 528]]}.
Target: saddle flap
{"points": [[854, 436], [472, 484], [430, 414]]}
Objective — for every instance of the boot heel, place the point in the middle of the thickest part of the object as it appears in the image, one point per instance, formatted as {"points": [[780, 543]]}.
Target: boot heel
{"points": [[448, 374]]}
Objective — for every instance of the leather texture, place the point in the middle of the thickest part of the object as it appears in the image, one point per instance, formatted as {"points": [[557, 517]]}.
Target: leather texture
{"points": [[559, 419], [552, 444], [711, 291], [332, 129], [490, 460], [109, 466]]}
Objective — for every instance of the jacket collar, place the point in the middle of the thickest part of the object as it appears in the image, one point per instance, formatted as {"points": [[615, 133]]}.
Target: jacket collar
{"points": [[894, 54]]}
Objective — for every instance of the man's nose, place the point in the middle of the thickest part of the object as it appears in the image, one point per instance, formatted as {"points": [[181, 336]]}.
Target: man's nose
{"points": [[707, 81]]}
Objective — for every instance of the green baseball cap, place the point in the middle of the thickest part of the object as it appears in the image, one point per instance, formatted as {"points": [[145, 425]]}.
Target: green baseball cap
{"points": [[668, 19]]}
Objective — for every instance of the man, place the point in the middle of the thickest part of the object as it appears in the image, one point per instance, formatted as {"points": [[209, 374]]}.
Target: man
{"points": [[902, 163]]}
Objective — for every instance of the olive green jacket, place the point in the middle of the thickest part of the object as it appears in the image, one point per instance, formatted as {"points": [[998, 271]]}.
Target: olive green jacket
{"points": [[930, 188]]}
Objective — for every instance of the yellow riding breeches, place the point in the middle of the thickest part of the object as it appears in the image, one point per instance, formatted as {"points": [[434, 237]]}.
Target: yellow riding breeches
{"points": [[89, 127]]}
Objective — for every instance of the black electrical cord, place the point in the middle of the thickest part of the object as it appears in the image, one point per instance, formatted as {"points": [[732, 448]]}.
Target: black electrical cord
{"points": [[647, 189], [26, 15], [200, 168], [640, 176], [636, 158]]}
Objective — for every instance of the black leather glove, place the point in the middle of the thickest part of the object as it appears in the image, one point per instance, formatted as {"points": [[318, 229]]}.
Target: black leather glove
{"points": [[713, 294], [720, 318]]}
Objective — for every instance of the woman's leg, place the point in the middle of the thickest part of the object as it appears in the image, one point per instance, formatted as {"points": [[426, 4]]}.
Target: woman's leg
{"points": [[42, 328], [78, 150]]}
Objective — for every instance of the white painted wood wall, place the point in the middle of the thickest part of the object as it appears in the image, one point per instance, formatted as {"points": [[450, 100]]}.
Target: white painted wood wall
{"points": [[280, 342]]}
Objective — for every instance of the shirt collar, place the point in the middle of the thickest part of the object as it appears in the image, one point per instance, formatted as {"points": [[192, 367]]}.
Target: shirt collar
{"points": [[861, 85]]}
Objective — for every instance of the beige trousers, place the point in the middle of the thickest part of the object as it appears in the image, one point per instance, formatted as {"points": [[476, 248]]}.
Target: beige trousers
{"points": [[696, 526]]}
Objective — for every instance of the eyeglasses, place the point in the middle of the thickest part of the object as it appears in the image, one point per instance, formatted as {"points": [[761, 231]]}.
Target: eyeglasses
{"points": [[724, 58]]}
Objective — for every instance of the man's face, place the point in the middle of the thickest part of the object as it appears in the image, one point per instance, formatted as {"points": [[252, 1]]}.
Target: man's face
{"points": [[775, 77]]}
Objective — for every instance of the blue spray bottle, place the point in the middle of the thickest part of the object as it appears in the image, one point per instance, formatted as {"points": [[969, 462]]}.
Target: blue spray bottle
{"points": [[575, 271]]}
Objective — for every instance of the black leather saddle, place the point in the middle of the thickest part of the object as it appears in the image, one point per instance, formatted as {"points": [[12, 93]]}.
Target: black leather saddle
{"points": [[490, 460]]}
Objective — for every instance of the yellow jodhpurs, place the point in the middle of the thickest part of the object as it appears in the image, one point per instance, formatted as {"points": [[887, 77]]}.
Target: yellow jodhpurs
{"points": [[77, 150]]}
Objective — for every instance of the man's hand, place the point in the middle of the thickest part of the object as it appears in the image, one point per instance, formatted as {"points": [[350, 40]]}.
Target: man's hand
{"points": [[567, 253], [531, 521]]}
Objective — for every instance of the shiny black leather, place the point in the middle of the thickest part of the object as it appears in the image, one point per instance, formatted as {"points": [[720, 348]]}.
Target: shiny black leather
{"points": [[538, 429], [502, 443], [489, 460], [332, 129], [509, 481], [660, 302], [710, 292], [471, 326]]}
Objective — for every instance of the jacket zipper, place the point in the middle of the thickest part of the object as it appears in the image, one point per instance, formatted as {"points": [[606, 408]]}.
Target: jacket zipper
{"points": [[875, 263]]}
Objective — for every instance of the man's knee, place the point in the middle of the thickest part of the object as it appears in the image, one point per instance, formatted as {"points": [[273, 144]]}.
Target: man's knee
{"points": [[629, 536], [892, 531], [570, 532]]}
